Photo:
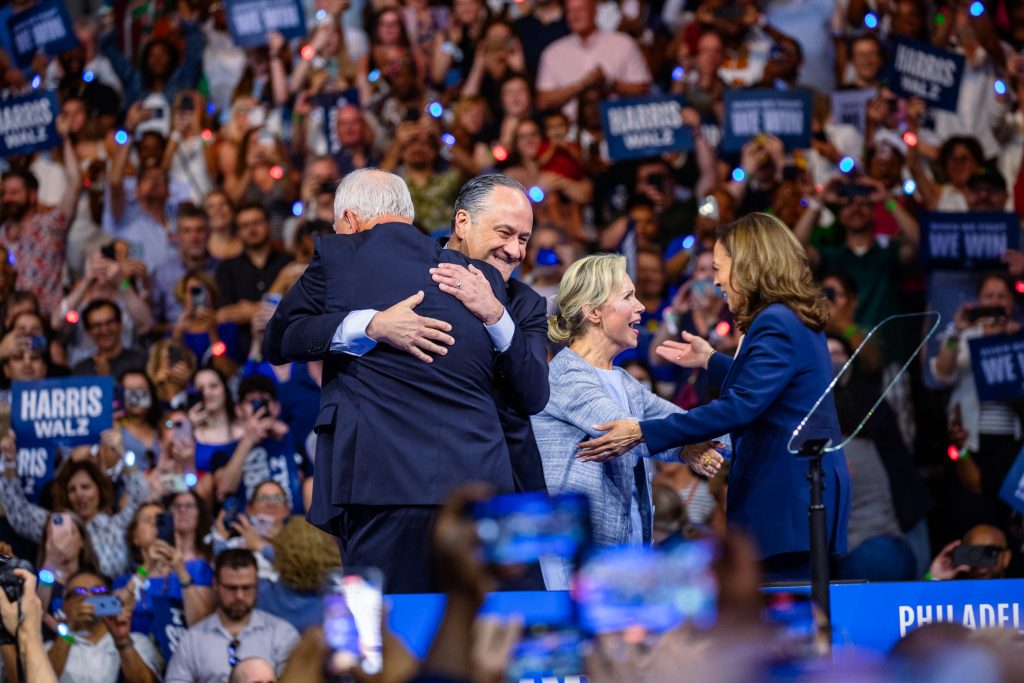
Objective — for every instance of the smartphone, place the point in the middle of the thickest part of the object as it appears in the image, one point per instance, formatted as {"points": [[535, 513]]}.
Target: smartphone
{"points": [[193, 398], [326, 187], [174, 483], [729, 11], [977, 556], [174, 354], [165, 527], [273, 300], [37, 343], [199, 297], [656, 180], [551, 646], [182, 430], [521, 528], [977, 313], [230, 515], [188, 103], [851, 190], [547, 257], [646, 590], [353, 610], [107, 251], [105, 605]]}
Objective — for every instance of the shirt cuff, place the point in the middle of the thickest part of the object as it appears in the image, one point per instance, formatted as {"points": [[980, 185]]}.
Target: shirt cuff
{"points": [[502, 332], [350, 337]]}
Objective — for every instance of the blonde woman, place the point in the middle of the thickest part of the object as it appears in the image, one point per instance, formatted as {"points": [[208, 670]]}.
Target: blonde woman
{"points": [[597, 319], [781, 368]]}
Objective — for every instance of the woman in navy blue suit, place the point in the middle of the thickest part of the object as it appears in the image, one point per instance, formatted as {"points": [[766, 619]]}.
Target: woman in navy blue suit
{"points": [[781, 368]]}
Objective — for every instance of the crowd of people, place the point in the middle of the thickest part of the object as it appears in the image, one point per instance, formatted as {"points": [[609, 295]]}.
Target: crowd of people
{"points": [[193, 179]]}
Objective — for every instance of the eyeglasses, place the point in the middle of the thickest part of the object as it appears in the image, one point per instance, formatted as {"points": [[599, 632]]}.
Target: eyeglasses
{"points": [[95, 590], [181, 507], [269, 499], [232, 657], [109, 322]]}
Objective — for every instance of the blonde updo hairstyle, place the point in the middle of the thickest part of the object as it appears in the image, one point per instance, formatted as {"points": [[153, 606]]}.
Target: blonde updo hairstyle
{"points": [[586, 285]]}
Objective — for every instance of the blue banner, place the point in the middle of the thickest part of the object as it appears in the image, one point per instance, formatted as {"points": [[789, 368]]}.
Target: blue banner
{"points": [[37, 466], [251, 20], [873, 616], [28, 123], [920, 70], [786, 114], [997, 362], [1012, 491], [967, 241], [45, 26], [645, 127], [331, 103], [69, 411]]}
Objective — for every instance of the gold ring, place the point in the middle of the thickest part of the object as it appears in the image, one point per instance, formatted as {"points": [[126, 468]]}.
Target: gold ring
{"points": [[707, 459]]}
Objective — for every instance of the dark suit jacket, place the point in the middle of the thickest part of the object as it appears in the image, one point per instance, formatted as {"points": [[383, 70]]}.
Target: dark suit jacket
{"points": [[522, 378], [392, 429], [780, 371]]}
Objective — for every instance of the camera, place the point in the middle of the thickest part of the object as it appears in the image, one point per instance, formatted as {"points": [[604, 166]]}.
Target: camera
{"points": [[12, 585]]}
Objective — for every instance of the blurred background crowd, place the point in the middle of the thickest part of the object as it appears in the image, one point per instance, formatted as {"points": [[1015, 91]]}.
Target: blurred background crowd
{"points": [[192, 177]]}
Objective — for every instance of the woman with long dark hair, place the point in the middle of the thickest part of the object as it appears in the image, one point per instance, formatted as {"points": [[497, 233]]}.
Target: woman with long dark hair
{"points": [[780, 369]]}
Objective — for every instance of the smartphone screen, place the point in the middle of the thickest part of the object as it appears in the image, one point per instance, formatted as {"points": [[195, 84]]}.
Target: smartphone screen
{"points": [[792, 613], [551, 646], [165, 527], [104, 605], [353, 610], [522, 528], [648, 590]]}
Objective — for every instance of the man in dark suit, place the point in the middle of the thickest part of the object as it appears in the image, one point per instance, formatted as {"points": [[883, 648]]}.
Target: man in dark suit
{"points": [[402, 426], [492, 222]]}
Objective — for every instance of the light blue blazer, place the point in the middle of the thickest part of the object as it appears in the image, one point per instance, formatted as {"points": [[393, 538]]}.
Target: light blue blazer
{"points": [[578, 402]]}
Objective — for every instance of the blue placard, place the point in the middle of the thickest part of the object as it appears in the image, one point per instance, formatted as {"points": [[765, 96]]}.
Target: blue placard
{"points": [[997, 362], [330, 103], [28, 123], [251, 20], [1012, 491], [967, 241], [785, 114], [645, 127], [45, 26], [876, 615], [69, 411], [37, 466], [920, 70]]}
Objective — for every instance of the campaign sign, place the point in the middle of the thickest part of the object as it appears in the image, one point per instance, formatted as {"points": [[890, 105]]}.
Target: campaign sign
{"points": [[28, 123], [69, 411], [251, 20], [967, 241], [1012, 491], [330, 103], [785, 114], [645, 127], [851, 107], [45, 26], [997, 362], [920, 70]]}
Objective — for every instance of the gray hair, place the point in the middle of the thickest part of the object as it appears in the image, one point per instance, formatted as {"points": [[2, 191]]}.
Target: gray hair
{"points": [[370, 193], [474, 194]]}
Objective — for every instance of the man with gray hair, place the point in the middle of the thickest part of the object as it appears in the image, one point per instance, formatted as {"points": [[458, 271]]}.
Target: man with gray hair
{"points": [[395, 434]]}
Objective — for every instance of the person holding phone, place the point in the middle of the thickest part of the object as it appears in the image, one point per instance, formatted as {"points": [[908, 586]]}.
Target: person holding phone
{"points": [[989, 431], [103, 646], [983, 553], [598, 313], [169, 590], [64, 551], [211, 412], [215, 342], [780, 370]]}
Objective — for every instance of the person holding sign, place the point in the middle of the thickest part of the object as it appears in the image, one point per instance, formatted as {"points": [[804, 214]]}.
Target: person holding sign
{"points": [[989, 431], [781, 368]]}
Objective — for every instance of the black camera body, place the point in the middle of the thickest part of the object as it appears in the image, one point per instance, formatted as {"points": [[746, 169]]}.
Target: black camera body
{"points": [[12, 585]]}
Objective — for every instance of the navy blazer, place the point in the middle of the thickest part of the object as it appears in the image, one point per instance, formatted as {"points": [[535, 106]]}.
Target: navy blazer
{"points": [[392, 430], [522, 378], [780, 371]]}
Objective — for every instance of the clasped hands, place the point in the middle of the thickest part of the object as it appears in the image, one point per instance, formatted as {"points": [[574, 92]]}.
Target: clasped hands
{"points": [[621, 436]]}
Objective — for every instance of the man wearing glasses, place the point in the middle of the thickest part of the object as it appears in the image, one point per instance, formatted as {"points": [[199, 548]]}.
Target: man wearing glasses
{"points": [[100, 648], [102, 319], [212, 648]]}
